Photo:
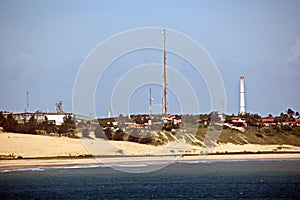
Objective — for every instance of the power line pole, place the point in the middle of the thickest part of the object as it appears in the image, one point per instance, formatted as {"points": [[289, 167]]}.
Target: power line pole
{"points": [[165, 100]]}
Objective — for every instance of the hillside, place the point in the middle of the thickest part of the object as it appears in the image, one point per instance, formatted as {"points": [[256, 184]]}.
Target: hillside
{"points": [[258, 137], [195, 135]]}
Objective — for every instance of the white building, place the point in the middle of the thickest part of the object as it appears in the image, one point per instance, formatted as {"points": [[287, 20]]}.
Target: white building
{"points": [[57, 118]]}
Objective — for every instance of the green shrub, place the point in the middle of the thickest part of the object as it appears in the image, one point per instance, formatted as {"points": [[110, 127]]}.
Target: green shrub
{"points": [[133, 138], [267, 130], [286, 128], [202, 126], [147, 140], [259, 135], [108, 133], [276, 129], [296, 131], [119, 135]]}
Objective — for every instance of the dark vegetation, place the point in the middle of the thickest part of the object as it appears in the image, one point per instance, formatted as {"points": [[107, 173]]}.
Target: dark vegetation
{"points": [[9, 124], [197, 125]]}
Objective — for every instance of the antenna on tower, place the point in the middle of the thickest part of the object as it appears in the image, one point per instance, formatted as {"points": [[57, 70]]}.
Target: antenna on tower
{"points": [[150, 107], [165, 100], [150, 103], [223, 116], [27, 102], [58, 107]]}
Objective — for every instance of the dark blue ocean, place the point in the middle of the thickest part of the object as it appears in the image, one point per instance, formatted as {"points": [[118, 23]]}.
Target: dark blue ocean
{"points": [[259, 179]]}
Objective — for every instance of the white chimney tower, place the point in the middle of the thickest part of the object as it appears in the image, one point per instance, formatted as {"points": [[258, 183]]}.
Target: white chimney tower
{"points": [[242, 96], [109, 112]]}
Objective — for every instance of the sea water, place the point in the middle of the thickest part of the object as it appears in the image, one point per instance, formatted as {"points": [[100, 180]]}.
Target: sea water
{"points": [[237, 179]]}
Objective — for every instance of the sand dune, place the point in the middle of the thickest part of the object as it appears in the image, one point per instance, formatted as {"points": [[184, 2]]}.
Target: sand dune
{"points": [[36, 146], [26, 145]]}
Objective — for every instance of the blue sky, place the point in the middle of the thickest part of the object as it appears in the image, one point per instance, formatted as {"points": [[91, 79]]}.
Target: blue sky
{"points": [[43, 44]]}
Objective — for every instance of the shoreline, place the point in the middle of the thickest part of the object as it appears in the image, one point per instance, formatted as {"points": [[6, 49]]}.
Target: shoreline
{"points": [[90, 156], [111, 160]]}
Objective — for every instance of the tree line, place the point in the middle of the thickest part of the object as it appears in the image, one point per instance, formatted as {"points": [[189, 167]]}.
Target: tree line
{"points": [[9, 124]]}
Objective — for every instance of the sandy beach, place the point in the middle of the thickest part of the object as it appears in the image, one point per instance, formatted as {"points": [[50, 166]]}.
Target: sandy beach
{"points": [[46, 150]]}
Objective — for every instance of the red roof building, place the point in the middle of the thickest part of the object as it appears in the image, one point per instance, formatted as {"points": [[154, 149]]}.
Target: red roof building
{"points": [[268, 122]]}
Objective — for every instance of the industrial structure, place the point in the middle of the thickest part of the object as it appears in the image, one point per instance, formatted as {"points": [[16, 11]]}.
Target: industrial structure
{"points": [[169, 121], [150, 105], [54, 117], [242, 96], [165, 84], [27, 102], [58, 107], [109, 112]]}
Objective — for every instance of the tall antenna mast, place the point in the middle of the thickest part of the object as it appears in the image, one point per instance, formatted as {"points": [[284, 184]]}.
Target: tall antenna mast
{"points": [[27, 104], [222, 104], [150, 103], [223, 112], [165, 100]]}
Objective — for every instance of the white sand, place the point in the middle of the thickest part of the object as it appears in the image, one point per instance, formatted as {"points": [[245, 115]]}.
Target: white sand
{"points": [[229, 147], [35, 146], [27, 145]]}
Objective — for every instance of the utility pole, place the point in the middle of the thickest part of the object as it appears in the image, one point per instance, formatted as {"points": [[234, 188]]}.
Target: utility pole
{"points": [[165, 84]]}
